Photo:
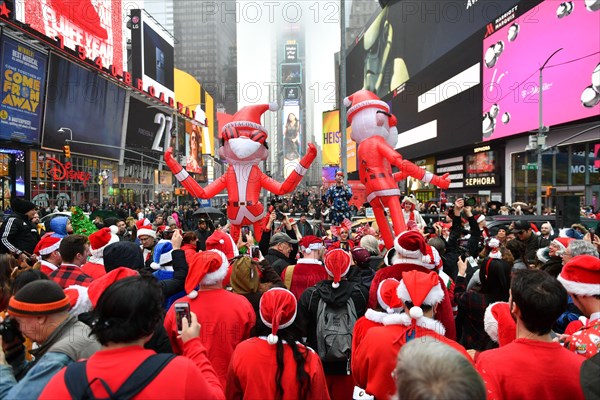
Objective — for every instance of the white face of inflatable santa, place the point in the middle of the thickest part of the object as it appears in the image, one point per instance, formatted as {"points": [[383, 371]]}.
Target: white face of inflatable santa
{"points": [[371, 121]]}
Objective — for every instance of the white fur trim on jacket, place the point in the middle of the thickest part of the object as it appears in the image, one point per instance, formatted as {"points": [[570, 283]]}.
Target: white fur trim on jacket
{"points": [[423, 322], [580, 288], [375, 316], [217, 276]]}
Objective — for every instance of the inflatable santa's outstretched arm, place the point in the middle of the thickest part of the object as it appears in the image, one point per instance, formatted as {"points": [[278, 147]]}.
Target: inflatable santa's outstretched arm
{"points": [[294, 178], [407, 169], [189, 183]]}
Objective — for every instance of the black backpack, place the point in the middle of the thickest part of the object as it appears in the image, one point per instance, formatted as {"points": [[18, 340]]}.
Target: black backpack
{"points": [[78, 385], [334, 332]]}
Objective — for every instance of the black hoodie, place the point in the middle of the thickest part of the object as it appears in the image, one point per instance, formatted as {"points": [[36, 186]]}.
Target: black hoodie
{"points": [[309, 304]]}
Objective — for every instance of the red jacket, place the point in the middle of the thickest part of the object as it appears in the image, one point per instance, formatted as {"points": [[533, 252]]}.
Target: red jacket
{"points": [[183, 378], [254, 366], [306, 273]]}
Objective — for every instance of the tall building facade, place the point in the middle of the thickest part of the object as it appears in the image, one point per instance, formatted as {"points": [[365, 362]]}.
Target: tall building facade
{"points": [[206, 46]]}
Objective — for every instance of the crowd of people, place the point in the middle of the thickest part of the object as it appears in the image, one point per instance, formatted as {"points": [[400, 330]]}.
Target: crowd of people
{"points": [[182, 310]]}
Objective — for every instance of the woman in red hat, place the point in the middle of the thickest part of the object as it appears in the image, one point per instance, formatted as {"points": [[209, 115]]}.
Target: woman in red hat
{"points": [[276, 366]]}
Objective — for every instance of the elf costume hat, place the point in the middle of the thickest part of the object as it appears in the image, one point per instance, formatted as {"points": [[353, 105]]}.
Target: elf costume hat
{"points": [[277, 310], [337, 264], [387, 295], [581, 276], [207, 268]]}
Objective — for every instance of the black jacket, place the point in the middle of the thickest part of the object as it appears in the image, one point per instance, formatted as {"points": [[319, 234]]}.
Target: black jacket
{"points": [[18, 235], [309, 304], [277, 260]]}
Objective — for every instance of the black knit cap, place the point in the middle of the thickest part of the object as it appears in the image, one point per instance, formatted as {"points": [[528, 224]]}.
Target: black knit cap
{"points": [[40, 297], [21, 206]]}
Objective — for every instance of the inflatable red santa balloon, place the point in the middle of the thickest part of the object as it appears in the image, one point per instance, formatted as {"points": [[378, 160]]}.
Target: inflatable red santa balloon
{"points": [[243, 146], [374, 129]]}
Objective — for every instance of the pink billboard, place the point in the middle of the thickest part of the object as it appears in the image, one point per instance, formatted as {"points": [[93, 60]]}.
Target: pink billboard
{"points": [[513, 55], [95, 26]]}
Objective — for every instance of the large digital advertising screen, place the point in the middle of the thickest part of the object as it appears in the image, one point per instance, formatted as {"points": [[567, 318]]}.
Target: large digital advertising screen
{"points": [[153, 56], [514, 54], [149, 130], [96, 26], [407, 36], [88, 106], [23, 72]]}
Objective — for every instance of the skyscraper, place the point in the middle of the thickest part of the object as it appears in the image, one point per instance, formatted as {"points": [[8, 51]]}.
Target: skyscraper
{"points": [[206, 47]]}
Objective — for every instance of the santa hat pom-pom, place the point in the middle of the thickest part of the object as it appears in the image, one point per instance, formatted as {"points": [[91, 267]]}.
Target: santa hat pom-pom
{"points": [[114, 230], [307, 250], [272, 339], [416, 312], [427, 259], [155, 265], [273, 106], [221, 241], [335, 285], [390, 310], [347, 102], [193, 294]]}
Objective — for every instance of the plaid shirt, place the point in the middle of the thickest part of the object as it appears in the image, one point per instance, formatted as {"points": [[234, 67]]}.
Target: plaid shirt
{"points": [[471, 309], [68, 274]]}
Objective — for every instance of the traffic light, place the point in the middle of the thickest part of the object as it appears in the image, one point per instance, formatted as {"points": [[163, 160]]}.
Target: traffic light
{"points": [[67, 150]]}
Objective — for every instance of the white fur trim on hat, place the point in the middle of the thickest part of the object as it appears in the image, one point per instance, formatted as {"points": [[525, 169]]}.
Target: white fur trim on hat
{"points": [[490, 324], [83, 303], [435, 295], [146, 232], [217, 276], [47, 250], [580, 288], [423, 322], [97, 254]]}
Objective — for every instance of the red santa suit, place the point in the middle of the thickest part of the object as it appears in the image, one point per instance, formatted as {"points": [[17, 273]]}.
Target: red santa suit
{"points": [[244, 147], [412, 253], [47, 267], [306, 273], [374, 129], [376, 355], [183, 378], [531, 369], [226, 318], [254, 365]]}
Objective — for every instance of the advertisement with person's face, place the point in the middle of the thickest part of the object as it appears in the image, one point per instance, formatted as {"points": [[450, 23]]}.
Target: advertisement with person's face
{"points": [[90, 107], [96, 26], [193, 148], [513, 55]]}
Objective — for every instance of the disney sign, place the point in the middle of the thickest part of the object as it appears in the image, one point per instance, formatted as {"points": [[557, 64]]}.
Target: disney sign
{"points": [[60, 172]]}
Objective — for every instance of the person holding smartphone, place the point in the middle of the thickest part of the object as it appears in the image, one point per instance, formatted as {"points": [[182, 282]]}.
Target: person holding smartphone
{"points": [[126, 315]]}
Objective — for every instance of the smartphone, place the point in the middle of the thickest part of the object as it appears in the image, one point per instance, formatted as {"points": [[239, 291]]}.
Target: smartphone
{"points": [[255, 252], [245, 230], [182, 310]]}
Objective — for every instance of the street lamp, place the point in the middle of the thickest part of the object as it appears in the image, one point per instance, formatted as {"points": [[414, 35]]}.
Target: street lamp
{"points": [[538, 142]]}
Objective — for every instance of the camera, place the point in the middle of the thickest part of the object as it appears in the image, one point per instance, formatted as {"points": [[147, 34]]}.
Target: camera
{"points": [[9, 330], [167, 234], [470, 201], [429, 229]]}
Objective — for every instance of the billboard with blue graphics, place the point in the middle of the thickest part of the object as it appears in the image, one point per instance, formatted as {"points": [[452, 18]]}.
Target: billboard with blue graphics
{"points": [[23, 81]]}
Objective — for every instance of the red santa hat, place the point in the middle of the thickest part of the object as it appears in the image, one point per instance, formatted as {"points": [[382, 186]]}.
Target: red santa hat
{"points": [[47, 245], [310, 243], [144, 228], [223, 242], [387, 295], [249, 117], [581, 275], [277, 310], [337, 264], [411, 248], [364, 99], [562, 243], [99, 285], [102, 238], [499, 323], [79, 299], [420, 288], [206, 268]]}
